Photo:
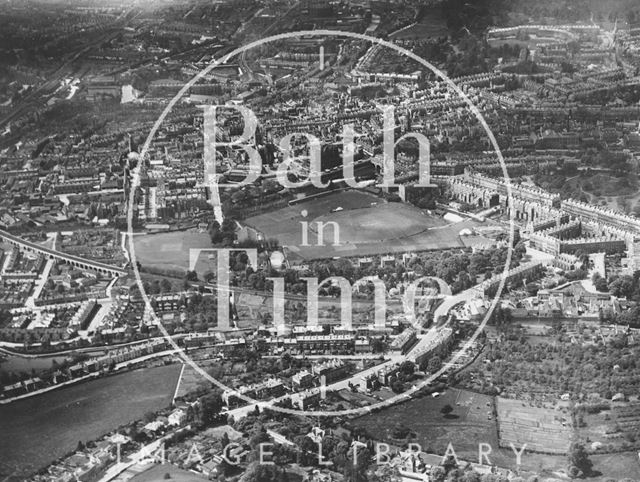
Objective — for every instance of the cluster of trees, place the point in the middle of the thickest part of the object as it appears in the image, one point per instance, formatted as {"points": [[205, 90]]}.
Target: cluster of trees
{"points": [[473, 16], [470, 59], [630, 95], [599, 282], [579, 463], [504, 51], [619, 181], [460, 271], [624, 286], [404, 376], [629, 317], [262, 192], [156, 286], [569, 11], [436, 50], [502, 319], [424, 198], [524, 67], [225, 234], [201, 312], [335, 448], [560, 367], [5, 318]]}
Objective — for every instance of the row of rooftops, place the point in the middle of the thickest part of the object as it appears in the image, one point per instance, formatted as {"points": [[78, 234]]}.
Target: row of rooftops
{"points": [[585, 209]]}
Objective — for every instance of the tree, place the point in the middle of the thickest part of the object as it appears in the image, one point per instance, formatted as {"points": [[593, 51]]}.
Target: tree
{"points": [[407, 367], [601, 285], [211, 406], [165, 285], [307, 447], [501, 318], [355, 470], [578, 457], [463, 282], [397, 386], [208, 276], [470, 476], [450, 465], [622, 286], [532, 288], [224, 440], [259, 437], [435, 363], [438, 473], [599, 282], [575, 275], [446, 410], [400, 431], [258, 472], [378, 346]]}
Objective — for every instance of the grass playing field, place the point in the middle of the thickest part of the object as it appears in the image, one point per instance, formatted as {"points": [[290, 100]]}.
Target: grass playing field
{"points": [[169, 250], [367, 226]]}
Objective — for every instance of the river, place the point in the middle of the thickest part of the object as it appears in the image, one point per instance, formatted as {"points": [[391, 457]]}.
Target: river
{"points": [[36, 431]]}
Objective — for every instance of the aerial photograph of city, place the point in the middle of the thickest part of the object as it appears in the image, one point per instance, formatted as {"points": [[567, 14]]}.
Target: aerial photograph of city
{"points": [[319, 240]]}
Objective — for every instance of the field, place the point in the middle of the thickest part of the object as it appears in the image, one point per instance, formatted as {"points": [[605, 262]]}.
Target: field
{"points": [[541, 428], [367, 226], [617, 466], [169, 250], [471, 423], [614, 428]]}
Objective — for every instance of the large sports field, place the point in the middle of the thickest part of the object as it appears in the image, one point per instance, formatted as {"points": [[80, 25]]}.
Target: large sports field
{"points": [[367, 226], [170, 250]]}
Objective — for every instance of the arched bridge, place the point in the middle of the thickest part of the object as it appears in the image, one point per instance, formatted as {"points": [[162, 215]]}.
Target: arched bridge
{"points": [[68, 258]]}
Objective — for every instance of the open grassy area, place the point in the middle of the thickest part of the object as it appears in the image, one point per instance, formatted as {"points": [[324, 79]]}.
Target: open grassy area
{"points": [[383, 222], [617, 466], [367, 226], [169, 250], [470, 423]]}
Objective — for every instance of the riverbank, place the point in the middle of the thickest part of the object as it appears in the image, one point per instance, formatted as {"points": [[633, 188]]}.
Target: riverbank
{"points": [[118, 368]]}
